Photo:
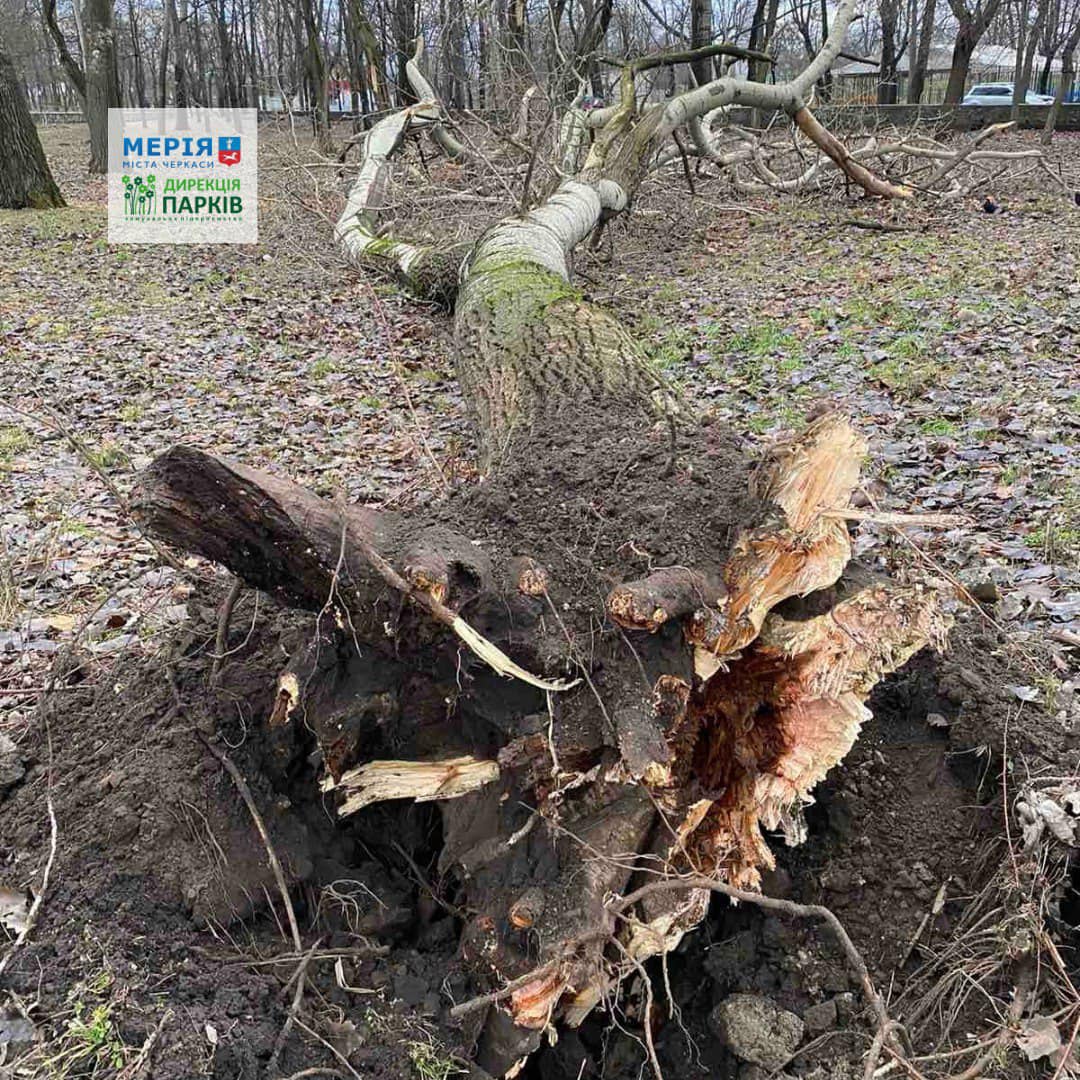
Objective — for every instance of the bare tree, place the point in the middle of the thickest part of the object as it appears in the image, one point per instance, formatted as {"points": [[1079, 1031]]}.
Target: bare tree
{"points": [[1068, 75], [919, 56], [973, 23], [102, 78]]}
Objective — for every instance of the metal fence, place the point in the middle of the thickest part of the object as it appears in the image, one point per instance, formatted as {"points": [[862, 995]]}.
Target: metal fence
{"points": [[862, 89]]}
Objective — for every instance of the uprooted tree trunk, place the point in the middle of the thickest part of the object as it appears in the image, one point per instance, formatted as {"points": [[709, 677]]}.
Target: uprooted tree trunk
{"points": [[584, 658]]}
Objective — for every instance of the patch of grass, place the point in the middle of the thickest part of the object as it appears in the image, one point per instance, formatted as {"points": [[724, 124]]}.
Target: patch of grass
{"points": [[1057, 541], [205, 385], [132, 412], [908, 368], [371, 402], [58, 224], [13, 441], [666, 292], [152, 294], [109, 455], [937, 426], [671, 350], [322, 367], [92, 1044], [763, 340], [429, 1064]]}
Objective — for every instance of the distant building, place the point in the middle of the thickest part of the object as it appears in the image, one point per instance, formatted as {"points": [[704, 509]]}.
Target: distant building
{"points": [[854, 81]]}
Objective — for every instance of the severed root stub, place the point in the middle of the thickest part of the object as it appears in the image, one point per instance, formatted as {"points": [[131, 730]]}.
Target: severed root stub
{"points": [[656, 738]]}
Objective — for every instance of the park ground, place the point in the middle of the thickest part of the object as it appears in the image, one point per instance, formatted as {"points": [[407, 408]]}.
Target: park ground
{"points": [[954, 344]]}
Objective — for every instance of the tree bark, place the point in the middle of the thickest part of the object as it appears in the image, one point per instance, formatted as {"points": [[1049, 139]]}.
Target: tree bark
{"points": [[102, 80], [700, 35], [887, 85], [1023, 80], [71, 68], [26, 181], [1068, 74], [917, 63], [973, 24], [316, 69]]}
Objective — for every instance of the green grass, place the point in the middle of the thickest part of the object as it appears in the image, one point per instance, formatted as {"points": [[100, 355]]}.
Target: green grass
{"points": [[672, 349], [429, 1064], [109, 455], [13, 441], [1056, 541], [132, 411], [765, 339], [937, 426], [666, 292]]}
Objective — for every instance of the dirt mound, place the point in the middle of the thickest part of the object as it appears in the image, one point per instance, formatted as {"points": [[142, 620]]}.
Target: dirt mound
{"points": [[615, 507], [164, 911]]}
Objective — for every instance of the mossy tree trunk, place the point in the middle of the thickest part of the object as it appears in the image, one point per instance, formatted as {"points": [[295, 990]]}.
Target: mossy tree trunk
{"points": [[26, 181]]}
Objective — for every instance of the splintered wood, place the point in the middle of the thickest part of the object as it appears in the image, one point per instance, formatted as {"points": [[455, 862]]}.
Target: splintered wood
{"points": [[777, 702], [421, 781]]}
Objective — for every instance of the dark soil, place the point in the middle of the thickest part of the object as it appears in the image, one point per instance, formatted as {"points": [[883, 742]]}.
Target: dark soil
{"points": [[162, 901]]}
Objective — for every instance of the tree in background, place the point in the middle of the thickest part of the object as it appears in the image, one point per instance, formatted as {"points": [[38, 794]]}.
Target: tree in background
{"points": [[25, 178], [97, 80], [973, 24]]}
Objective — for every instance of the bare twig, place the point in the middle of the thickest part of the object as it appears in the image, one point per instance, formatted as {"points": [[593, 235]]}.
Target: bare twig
{"points": [[245, 793], [493, 656], [223, 629], [294, 1010], [886, 1027]]}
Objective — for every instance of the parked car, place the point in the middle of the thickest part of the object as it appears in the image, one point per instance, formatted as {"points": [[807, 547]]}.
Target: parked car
{"points": [[1002, 94]]}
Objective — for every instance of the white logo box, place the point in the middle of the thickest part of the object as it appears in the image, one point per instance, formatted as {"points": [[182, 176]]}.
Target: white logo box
{"points": [[183, 176]]}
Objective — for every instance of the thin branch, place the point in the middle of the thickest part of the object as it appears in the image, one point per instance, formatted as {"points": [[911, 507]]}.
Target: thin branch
{"points": [[886, 1026], [223, 629], [245, 793], [294, 1011]]}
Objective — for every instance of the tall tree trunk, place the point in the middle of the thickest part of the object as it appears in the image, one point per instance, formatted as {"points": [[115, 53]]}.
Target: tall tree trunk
{"points": [[887, 84], [1068, 74], [918, 61], [25, 179], [1023, 80], [316, 69], [701, 33], [71, 67], [404, 37], [963, 49], [973, 24], [756, 70], [517, 46], [825, 82], [102, 79]]}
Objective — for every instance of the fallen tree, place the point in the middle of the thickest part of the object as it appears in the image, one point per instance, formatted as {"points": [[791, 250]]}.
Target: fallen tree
{"points": [[596, 659]]}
